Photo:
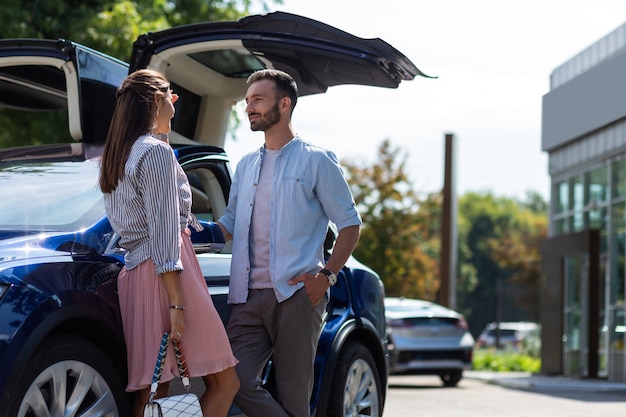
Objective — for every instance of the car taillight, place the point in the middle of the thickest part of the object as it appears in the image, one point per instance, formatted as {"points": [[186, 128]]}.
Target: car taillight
{"points": [[461, 324], [399, 323]]}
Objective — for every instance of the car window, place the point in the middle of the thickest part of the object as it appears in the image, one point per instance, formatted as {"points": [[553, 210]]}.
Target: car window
{"points": [[187, 111], [36, 87], [100, 76], [430, 321], [503, 332], [50, 196]]}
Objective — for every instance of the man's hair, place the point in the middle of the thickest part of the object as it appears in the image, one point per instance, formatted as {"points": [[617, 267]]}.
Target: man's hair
{"points": [[285, 84]]}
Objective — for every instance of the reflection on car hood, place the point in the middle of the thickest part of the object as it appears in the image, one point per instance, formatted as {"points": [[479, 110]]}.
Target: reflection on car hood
{"points": [[16, 245], [23, 245]]}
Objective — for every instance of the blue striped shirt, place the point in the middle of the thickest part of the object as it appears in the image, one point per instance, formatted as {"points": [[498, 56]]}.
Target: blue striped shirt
{"points": [[308, 191], [151, 205]]}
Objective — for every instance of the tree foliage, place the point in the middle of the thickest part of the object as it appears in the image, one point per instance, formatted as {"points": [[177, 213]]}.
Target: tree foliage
{"points": [[499, 265], [517, 251], [110, 26], [400, 234], [499, 261]]}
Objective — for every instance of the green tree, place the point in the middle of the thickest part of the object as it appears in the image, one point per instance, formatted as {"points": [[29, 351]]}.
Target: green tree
{"points": [[110, 26], [400, 233], [499, 261], [517, 251], [499, 265]]}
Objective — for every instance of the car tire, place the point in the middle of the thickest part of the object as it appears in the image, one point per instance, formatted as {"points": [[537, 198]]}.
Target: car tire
{"points": [[356, 388], [452, 378], [85, 382]]}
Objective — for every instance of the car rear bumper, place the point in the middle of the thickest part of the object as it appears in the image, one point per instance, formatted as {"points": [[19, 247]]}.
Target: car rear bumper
{"points": [[429, 361]]}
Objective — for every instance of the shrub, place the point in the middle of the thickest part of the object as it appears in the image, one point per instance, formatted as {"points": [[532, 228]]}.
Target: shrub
{"points": [[505, 361]]}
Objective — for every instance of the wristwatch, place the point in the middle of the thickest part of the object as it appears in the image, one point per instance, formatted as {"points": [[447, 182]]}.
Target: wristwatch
{"points": [[332, 278]]}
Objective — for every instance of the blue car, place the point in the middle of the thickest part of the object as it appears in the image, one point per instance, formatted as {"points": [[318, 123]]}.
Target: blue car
{"points": [[61, 344]]}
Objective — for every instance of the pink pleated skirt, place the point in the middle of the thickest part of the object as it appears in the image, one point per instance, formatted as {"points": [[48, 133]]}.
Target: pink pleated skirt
{"points": [[145, 317]]}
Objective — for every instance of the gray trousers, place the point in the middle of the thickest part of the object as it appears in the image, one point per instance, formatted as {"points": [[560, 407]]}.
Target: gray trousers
{"points": [[289, 331]]}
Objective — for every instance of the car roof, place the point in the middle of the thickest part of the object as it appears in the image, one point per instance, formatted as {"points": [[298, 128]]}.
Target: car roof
{"points": [[398, 307], [513, 325]]}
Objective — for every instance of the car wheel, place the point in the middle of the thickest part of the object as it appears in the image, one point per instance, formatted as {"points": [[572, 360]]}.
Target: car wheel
{"points": [[69, 376], [355, 389], [452, 378]]}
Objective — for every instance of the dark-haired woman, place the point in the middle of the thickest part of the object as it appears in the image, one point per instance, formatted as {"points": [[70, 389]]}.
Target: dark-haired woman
{"points": [[161, 287]]}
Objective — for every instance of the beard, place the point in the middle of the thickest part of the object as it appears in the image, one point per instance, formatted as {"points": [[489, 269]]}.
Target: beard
{"points": [[267, 120]]}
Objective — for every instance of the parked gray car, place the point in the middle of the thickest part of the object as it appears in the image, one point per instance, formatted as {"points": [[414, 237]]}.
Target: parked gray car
{"points": [[427, 338]]}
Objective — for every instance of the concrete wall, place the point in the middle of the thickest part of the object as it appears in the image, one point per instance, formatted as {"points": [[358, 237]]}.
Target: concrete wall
{"points": [[584, 104]]}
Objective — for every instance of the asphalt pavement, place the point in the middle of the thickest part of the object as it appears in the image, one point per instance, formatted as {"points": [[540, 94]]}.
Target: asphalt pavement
{"points": [[536, 382]]}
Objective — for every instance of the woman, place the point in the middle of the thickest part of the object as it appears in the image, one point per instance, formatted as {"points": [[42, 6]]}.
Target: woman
{"points": [[161, 287]]}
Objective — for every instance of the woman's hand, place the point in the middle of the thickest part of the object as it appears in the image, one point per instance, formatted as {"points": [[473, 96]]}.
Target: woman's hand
{"points": [[177, 323], [171, 280]]}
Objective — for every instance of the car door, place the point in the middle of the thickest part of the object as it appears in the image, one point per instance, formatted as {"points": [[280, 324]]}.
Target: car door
{"points": [[209, 175], [208, 64], [43, 75]]}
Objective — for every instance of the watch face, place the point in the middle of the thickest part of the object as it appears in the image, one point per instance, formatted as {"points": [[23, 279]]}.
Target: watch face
{"points": [[332, 278]]}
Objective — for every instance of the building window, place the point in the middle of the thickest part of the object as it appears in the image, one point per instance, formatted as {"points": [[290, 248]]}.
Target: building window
{"points": [[618, 178]]}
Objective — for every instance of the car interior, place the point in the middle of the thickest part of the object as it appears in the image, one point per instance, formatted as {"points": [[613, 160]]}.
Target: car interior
{"points": [[208, 199]]}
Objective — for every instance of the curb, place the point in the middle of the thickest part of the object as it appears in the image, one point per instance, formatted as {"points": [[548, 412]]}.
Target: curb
{"points": [[531, 382]]}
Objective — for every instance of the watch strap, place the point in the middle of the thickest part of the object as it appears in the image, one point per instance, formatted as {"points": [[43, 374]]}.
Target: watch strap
{"points": [[326, 272], [330, 275]]}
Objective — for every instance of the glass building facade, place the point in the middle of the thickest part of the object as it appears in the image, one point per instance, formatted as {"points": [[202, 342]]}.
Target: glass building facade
{"points": [[584, 133]]}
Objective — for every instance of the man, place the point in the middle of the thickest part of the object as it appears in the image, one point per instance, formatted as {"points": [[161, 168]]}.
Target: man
{"points": [[281, 201]]}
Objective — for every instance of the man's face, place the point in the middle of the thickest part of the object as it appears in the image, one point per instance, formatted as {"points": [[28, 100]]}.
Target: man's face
{"points": [[262, 105]]}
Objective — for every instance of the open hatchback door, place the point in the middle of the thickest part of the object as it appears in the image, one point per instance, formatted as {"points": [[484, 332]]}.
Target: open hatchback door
{"points": [[42, 75], [208, 64]]}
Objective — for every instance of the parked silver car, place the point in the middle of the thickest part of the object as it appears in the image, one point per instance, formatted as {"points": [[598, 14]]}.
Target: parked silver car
{"points": [[508, 335], [427, 338]]}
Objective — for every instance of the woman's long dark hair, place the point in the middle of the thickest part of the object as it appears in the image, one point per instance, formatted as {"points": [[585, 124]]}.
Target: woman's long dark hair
{"points": [[134, 115]]}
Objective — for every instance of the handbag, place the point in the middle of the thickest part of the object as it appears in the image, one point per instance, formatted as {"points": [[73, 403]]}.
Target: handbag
{"points": [[182, 405]]}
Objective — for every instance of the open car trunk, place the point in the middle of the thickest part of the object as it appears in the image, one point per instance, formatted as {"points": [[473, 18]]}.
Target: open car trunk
{"points": [[208, 64]]}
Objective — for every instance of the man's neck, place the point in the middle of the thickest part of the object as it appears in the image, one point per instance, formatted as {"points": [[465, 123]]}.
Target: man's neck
{"points": [[276, 139]]}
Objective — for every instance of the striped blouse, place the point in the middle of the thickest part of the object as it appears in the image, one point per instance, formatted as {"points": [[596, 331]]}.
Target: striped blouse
{"points": [[151, 205]]}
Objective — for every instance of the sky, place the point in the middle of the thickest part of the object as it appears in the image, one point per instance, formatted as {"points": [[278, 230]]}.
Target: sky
{"points": [[493, 60]]}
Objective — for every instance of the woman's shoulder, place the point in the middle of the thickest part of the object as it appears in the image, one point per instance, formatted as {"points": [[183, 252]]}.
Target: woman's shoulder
{"points": [[147, 144], [149, 148]]}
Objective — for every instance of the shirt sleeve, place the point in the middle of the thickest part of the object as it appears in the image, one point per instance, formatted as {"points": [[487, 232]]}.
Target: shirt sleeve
{"points": [[334, 193], [157, 177], [228, 218]]}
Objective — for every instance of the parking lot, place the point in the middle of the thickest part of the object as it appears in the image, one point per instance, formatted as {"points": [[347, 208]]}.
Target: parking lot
{"points": [[480, 394]]}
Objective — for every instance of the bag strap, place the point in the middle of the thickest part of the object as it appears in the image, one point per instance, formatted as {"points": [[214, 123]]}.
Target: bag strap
{"points": [[160, 363], [182, 364]]}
